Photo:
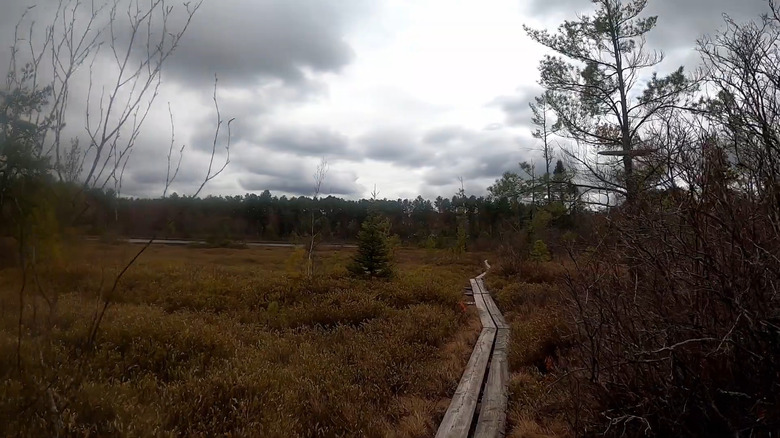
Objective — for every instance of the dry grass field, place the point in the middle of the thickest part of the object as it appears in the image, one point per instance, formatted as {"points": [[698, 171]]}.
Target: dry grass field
{"points": [[205, 342], [530, 299]]}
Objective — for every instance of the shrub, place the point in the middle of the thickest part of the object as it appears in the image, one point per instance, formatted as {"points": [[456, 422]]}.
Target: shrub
{"points": [[373, 255], [677, 327], [536, 340], [539, 252], [525, 298]]}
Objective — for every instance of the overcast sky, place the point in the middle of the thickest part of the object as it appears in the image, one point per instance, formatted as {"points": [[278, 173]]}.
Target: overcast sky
{"points": [[407, 95]]}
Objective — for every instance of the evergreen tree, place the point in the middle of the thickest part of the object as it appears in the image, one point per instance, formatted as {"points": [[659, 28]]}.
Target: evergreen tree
{"points": [[593, 88], [539, 252], [373, 256]]}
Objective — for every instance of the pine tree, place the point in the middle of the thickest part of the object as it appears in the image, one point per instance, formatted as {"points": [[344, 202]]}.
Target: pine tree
{"points": [[539, 252], [592, 88], [373, 255]]}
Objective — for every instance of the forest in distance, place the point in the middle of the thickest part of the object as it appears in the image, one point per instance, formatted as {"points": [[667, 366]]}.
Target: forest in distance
{"points": [[635, 256], [267, 217]]}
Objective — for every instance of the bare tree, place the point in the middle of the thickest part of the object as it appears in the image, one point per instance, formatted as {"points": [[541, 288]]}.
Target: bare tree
{"points": [[319, 178], [105, 299], [545, 128], [742, 64], [137, 37]]}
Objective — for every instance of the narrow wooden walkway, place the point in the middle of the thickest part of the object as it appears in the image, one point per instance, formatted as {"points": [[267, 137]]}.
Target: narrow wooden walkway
{"points": [[478, 408]]}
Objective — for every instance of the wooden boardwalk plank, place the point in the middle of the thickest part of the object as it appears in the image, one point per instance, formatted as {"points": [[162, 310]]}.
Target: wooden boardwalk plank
{"points": [[457, 420], [487, 266], [482, 309], [481, 285], [486, 375], [492, 415], [475, 285], [492, 308]]}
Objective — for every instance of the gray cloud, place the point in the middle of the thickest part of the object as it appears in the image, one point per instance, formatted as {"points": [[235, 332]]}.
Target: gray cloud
{"points": [[477, 156], [307, 141], [252, 110], [444, 134], [273, 56], [394, 145], [253, 41], [680, 22], [251, 159], [336, 183], [260, 168], [515, 106]]}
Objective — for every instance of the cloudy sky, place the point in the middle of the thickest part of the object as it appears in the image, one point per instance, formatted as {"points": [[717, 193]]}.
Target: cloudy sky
{"points": [[407, 95]]}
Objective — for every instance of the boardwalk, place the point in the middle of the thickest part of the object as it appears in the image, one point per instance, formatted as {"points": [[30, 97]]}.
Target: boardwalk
{"points": [[478, 407]]}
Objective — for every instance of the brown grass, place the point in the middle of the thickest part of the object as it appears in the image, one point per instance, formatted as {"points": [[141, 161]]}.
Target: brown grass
{"points": [[529, 297], [234, 342]]}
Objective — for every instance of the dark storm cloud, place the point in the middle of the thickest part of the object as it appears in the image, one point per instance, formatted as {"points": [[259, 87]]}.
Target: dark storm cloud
{"points": [[268, 55], [284, 157], [259, 183], [251, 159], [245, 42], [251, 111], [148, 168], [187, 174], [250, 41], [438, 179]]}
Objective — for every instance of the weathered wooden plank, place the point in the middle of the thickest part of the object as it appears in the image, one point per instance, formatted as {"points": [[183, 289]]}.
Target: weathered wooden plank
{"points": [[475, 286], [457, 419], [481, 285], [491, 348], [487, 268], [496, 314], [492, 415], [492, 308], [482, 309]]}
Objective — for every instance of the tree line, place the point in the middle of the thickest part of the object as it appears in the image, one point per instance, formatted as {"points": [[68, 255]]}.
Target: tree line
{"points": [[434, 223]]}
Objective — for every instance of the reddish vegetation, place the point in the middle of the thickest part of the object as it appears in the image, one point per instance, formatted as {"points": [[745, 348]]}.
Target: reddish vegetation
{"points": [[213, 341]]}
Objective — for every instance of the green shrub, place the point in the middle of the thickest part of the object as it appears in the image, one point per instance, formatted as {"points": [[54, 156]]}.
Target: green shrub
{"points": [[539, 252], [373, 255]]}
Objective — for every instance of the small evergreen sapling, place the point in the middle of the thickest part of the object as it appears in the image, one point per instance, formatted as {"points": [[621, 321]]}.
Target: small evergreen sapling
{"points": [[373, 255]]}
